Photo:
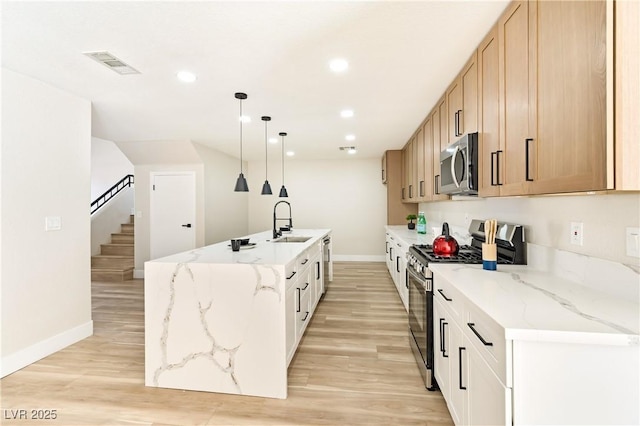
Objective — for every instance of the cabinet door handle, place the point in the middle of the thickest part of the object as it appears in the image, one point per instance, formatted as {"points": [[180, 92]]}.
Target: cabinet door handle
{"points": [[444, 295], [484, 342], [403, 193], [291, 276], [492, 171], [421, 188], [397, 263], [386, 246], [383, 175], [410, 191], [298, 305], [305, 262], [457, 123], [444, 342], [305, 316], [317, 270], [498, 152], [526, 159], [390, 253], [436, 181], [306, 285], [460, 349]]}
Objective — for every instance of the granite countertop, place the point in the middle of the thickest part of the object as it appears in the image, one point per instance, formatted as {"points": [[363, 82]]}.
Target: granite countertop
{"points": [[535, 305], [264, 252]]}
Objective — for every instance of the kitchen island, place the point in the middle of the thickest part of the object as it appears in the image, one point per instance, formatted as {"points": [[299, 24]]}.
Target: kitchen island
{"points": [[229, 322]]}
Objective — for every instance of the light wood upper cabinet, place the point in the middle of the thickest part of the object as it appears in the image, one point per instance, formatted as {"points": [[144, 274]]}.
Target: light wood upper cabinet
{"points": [[489, 115], [517, 99], [454, 109], [627, 101], [462, 102], [468, 120], [440, 142], [568, 151], [419, 165], [427, 185]]}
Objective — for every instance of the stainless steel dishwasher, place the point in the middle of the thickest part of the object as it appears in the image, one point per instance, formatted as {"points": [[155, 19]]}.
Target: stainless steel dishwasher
{"points": [[327, 263]]}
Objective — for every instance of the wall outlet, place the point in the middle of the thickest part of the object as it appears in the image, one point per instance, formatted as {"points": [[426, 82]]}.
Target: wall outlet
{"points": [[633, 241], [576, 233]]}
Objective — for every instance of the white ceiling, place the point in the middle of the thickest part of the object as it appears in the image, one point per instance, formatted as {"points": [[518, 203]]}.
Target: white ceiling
{"points": [[401, 55]]}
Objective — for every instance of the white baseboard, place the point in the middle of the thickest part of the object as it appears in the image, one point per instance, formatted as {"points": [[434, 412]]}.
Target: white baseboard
{"points": [[18, 360], [357, 258], [138, 273]]}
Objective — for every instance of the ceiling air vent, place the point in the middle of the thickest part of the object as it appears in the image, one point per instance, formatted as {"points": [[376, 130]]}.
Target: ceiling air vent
{"points": [[111, 62]]}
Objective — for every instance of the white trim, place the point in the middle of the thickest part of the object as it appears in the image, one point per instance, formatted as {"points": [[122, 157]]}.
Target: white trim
{"points": [[138, 273], [358, 258], [18, 360]]}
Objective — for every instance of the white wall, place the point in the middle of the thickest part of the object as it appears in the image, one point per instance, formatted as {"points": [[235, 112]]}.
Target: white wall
{"points": [[548, 219], [226, 212], [46, 281], [108, 166], [344, 195]]}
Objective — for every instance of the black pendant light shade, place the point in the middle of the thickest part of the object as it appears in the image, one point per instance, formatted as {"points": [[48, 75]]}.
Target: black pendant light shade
{"points": [[266, 188], [283, 190], [241, 183]]}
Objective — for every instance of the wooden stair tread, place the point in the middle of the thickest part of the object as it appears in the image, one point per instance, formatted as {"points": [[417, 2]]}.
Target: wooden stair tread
{"points": [[100, 269]]}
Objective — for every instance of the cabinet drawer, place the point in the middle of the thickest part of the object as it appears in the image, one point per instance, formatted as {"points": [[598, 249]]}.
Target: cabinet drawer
{"points": [[450, 298], [290, 274], [488, 338], [304, 260]]}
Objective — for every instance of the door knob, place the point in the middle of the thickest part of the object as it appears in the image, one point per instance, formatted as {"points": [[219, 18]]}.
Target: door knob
{"points": [[188, 225]]}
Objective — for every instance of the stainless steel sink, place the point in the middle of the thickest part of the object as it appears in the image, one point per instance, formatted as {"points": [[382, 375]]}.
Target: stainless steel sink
{"points": [[291, 240]]}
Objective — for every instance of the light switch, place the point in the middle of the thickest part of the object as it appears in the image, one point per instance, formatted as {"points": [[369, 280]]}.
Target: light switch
{"points": [[52, 223], [633, 242]]}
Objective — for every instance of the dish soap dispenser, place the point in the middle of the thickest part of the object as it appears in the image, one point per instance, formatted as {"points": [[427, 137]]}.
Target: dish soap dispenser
{"points": [[422, 223]]}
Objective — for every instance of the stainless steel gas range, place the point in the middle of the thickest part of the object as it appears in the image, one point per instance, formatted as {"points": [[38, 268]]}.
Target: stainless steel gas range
{"points": [[511, 250]]}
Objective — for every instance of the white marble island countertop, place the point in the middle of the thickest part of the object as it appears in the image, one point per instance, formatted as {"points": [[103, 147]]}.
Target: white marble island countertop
{"points": [[215, 319], [264, 252], [538, 306]]}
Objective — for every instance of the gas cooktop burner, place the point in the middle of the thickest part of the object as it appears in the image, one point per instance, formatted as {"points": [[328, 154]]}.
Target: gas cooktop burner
{"points": [[510, 241], [466, 254]]}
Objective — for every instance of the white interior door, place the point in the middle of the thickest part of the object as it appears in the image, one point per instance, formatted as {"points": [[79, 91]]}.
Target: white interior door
{"points": [[173, 213]]}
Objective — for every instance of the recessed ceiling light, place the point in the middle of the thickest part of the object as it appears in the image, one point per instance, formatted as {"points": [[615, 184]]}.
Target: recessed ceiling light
{"points": [[346, 113], [290, 153], [273, 140], [338, 65], [186, 76], [245, 119], [350, 137]]}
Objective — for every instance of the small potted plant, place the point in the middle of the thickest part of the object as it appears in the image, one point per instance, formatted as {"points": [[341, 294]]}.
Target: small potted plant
{"points": [[411, 218]]}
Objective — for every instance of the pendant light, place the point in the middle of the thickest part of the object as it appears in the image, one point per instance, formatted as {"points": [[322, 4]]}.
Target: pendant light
{"points": [[241, 183], [266, 188], [283, 190]]}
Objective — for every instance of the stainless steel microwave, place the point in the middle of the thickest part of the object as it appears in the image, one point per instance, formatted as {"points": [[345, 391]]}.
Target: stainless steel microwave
{"points": [[459, 167]]}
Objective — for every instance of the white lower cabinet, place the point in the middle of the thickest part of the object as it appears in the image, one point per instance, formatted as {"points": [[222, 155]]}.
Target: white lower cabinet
{"points": [[396, 259], [488, 399], [474, 393], [304, 284]]}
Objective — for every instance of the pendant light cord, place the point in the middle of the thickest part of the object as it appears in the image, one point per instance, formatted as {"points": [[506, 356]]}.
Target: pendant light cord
{"points": [[282, 160], [266, 152], [240, 135]]}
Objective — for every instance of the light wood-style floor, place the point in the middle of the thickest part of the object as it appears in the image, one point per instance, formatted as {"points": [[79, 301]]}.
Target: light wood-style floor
{"points": [[353, 367]]}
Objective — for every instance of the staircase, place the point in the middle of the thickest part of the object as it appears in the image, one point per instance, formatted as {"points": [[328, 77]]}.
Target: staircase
{"points": [[115, 261]]}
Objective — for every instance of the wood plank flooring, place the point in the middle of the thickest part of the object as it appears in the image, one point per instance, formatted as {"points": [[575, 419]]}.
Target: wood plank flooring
{"points": [[353, 367]]}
